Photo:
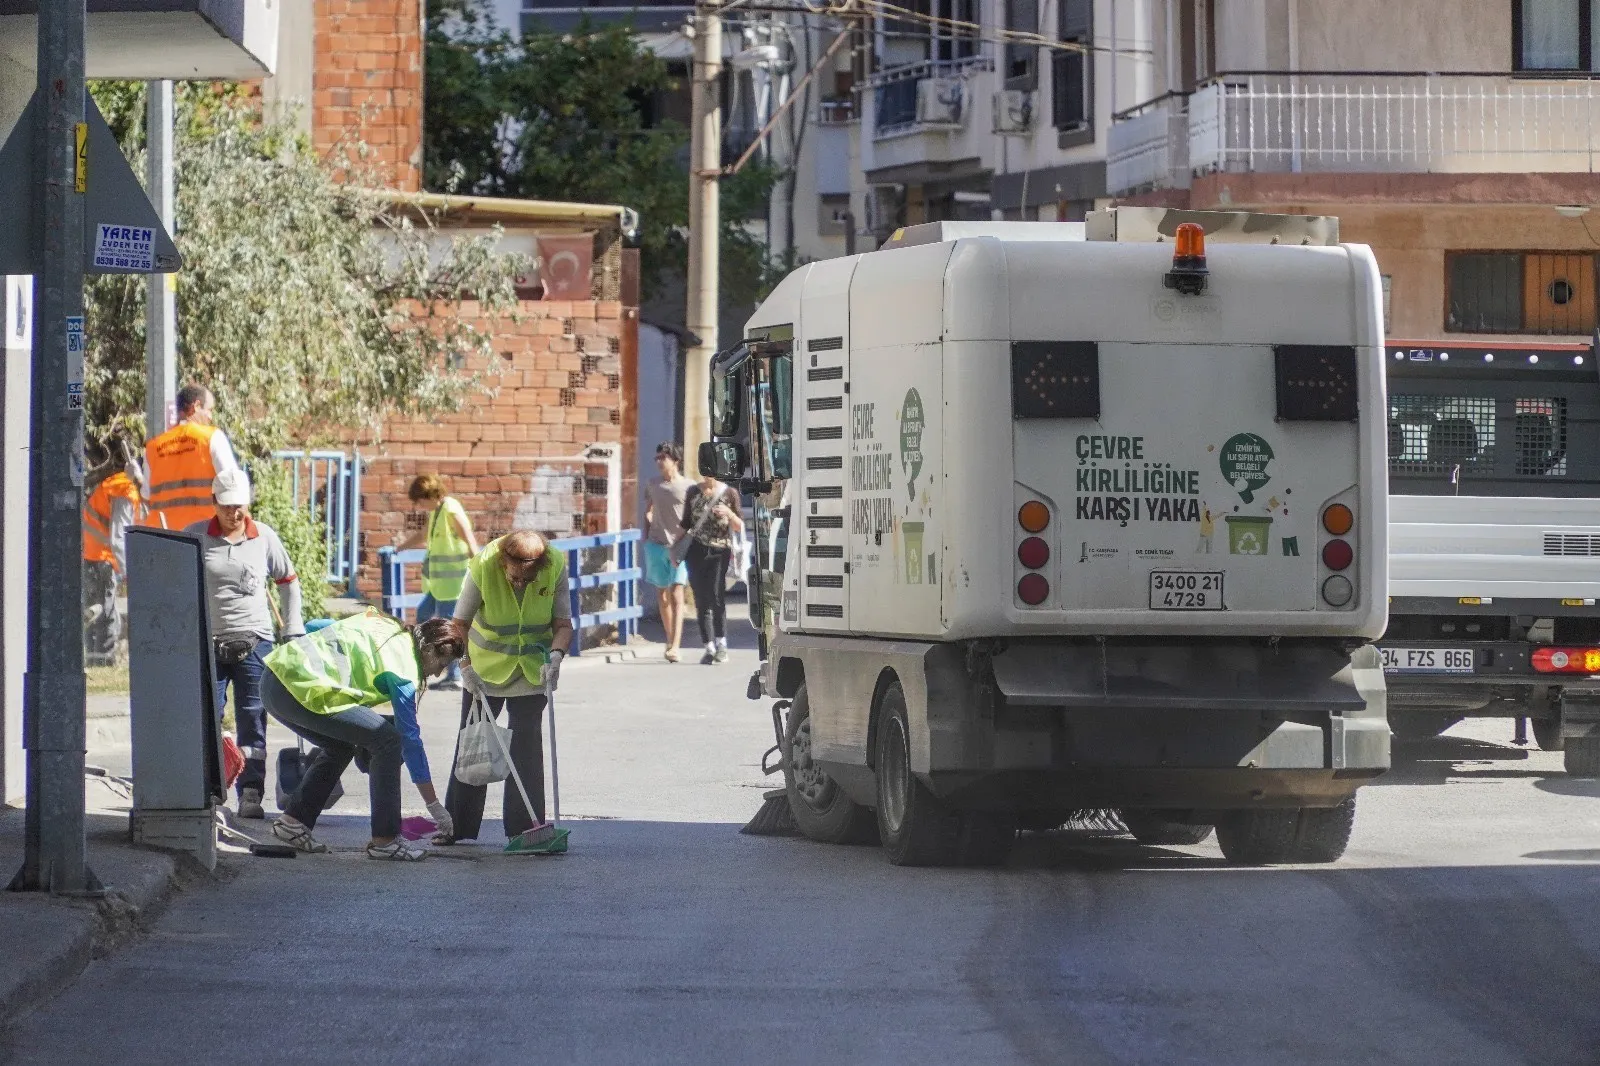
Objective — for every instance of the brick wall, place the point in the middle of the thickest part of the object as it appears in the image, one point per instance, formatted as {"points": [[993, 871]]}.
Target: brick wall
{"points": [[367, 84], [552, 387]]}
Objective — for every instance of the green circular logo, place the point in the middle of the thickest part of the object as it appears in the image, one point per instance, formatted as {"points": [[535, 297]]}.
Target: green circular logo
{"points": [[911, 422], [1244, 464]]}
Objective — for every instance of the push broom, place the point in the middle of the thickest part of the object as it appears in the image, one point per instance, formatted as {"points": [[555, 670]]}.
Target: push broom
{"points": [[550, 838]]}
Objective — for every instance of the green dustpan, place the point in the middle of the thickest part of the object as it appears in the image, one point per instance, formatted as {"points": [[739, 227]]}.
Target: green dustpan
{"points": [[546, 840]]}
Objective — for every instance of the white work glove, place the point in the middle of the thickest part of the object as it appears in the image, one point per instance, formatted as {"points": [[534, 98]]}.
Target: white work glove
{"points": [[441, 818], [550, 673]]}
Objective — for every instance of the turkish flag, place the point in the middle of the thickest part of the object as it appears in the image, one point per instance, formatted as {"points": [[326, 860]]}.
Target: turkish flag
{"points": [[566, 266]]}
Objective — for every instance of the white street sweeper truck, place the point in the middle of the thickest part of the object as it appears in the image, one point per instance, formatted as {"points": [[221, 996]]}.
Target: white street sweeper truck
{"points": [[1074, 517]]}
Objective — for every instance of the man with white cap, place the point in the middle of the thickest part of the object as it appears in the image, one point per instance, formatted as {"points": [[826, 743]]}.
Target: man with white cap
{"points": [[243, 558]]}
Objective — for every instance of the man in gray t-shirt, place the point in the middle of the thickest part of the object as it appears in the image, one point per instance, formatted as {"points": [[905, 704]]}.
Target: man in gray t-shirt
{"points": [[244, 562]]}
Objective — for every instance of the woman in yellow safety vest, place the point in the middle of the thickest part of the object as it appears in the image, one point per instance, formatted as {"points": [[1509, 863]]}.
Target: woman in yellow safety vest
{"points": [[451, 545], [325, 685], [519, 618]]}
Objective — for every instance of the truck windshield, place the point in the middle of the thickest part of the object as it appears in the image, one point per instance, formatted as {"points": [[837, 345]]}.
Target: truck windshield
{"points": [[1486, 431]]}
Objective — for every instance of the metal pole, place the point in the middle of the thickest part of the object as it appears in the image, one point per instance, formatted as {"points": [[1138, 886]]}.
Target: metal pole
{"points": [[53, 700], [705, 163], [161, 295]]}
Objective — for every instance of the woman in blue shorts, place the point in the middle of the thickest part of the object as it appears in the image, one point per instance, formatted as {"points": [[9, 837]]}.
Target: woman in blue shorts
{"points": [[661, 532]]}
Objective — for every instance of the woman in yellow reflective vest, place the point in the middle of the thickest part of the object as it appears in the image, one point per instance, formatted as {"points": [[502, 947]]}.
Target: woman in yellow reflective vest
{"points": [[325, 685], [451, 545], [519, 618]]}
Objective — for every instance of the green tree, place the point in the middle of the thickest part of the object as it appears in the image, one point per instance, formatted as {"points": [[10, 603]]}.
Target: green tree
{"points": [[313, 308], [567, 117]]}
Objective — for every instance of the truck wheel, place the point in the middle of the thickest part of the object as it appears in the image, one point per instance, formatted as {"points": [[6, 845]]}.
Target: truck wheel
{"points": [[821, 809], [914, 826], [1582, 756], [1288, 835], [1420, 726], [1159, 828]]}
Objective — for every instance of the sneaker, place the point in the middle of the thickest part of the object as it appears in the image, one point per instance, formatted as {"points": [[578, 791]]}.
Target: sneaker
{"points": [[708, 658], [298, 837], [721, 656], [250, 804], [397, 850]]}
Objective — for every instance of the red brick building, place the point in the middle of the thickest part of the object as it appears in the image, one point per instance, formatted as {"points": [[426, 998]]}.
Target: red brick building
{"points": [[563, 378]]}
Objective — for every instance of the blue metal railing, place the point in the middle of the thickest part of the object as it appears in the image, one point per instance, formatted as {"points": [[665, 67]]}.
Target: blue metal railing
{"points": [[336, 476], [626, 576]]}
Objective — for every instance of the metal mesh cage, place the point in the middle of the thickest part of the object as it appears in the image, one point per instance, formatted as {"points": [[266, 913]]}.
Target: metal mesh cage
{"points": [[1539, 434], [1441, 434]]}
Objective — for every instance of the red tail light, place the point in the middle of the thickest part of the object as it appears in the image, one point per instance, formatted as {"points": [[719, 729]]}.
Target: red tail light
{"points": [[1567, 660], [1033, 553], [1033, 590], [1337, 554]]}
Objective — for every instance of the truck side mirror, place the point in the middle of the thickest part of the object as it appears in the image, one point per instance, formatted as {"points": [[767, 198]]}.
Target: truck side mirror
{"points": [[723, 460]]}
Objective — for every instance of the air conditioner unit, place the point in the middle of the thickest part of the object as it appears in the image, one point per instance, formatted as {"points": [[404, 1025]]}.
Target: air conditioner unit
{"points": [[1013, 112], [939, 101]]}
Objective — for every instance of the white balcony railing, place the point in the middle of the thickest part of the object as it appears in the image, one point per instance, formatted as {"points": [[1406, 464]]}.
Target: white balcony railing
{"points": [[1364, 123], [1148, 146]]}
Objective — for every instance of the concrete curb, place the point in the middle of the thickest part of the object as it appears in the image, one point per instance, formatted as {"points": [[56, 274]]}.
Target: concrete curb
{"points": [[53, 939]]}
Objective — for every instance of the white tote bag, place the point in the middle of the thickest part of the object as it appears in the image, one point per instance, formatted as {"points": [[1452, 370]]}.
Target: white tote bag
{"points": [[481, 747]]}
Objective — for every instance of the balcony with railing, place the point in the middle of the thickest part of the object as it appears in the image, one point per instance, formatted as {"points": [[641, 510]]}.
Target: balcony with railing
{"points": [[1279, 123], [837, 111], [922, 114], [1147, 146]]}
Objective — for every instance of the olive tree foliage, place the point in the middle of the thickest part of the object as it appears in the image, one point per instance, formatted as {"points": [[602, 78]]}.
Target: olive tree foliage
{"points": [[311, 307]]}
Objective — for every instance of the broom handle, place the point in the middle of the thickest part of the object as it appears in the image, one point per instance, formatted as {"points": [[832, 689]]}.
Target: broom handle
{"points": [[555, 773]]}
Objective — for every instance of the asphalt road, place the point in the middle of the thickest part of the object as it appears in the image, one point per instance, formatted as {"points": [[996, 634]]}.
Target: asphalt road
{"points": [[1461, 928]]}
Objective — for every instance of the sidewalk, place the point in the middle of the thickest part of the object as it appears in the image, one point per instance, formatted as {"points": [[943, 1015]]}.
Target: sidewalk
{"points": [[50, 940]]}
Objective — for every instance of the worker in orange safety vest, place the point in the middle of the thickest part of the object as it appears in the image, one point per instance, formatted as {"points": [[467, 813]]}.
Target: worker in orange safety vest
{"points": [[182, 463], [110, 510]]}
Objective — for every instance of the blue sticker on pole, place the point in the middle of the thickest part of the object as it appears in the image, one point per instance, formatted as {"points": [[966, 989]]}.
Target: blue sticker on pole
{"points": [[75, 346], [125, 248]]}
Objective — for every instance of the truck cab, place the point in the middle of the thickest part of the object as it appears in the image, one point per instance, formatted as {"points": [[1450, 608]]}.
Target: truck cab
{"points": [[1494, 468], [1077, 516]]}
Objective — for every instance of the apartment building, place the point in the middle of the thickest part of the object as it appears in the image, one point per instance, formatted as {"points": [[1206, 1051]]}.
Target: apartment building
{"points": [[941, 115], [1457, 137]]}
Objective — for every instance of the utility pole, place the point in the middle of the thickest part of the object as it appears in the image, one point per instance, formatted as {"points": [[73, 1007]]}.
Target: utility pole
{"points": [[705, 222], [53, 690], [161, 298]]}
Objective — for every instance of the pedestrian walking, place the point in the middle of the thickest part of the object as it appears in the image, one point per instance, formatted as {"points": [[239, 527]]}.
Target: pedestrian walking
{"points": [[515, 606], [181, 463], [243, 560], [110, 510], [325, 686], [711, 517], [662, 530], [451, 544]]}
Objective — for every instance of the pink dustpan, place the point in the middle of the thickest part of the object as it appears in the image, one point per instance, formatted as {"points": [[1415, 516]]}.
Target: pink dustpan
{"points": [[416, 828]]}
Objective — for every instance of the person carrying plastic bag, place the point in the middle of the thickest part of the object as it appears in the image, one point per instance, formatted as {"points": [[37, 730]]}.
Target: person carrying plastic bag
{"points": [[324, 686], [519, 618]]}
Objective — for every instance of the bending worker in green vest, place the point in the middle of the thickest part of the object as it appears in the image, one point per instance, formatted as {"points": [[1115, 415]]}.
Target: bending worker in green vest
{"points": [[324, 686], [519, 620], [451, 544]]}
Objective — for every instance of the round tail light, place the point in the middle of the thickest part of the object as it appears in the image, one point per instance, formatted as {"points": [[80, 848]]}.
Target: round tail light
{"points": [[1033, 553], [1033, 590], [1337, 555], [1033, 516], [1337, 590], [1338, 520]]}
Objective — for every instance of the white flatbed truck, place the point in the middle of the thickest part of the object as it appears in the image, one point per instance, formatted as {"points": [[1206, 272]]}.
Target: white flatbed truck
{"points": [[1494, 467], [1073, 522]]}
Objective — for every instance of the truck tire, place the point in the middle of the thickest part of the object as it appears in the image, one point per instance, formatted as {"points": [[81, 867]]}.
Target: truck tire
{"points": [[1415, 726], [1582, 756], [1160, 829], [820, 808], [914, 826], [1287, 835]]}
